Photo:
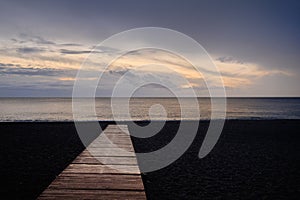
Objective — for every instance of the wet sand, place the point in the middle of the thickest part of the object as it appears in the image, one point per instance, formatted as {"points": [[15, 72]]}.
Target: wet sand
{"points": [[256, 159]]}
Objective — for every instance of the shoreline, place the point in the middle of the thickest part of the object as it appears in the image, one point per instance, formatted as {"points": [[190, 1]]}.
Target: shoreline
{"points": [[147, 121]]}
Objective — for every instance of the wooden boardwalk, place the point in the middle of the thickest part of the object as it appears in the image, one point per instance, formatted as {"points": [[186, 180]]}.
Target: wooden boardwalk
{"points": [[102, 171]]}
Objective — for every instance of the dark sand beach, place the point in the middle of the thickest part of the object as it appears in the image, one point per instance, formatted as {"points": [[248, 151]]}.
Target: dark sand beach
{"points": [[33, 154], [253, 159]]}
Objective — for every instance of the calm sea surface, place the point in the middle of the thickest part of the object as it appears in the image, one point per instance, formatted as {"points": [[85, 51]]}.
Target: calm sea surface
{"points": [[60, 109]]}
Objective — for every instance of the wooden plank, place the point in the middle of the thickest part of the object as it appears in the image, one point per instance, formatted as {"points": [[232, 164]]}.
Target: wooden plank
{"points": [[102, 171], [107, 152], [68, 194], [106, 160], [106, 147], [103, 145], [99, 181]]}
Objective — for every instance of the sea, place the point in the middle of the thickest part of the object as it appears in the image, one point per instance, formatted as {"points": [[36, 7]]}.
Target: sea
{"points": [[60, 109]]}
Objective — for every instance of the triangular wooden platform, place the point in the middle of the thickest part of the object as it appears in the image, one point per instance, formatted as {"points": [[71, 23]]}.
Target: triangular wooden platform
{"points": [[102, 171]]}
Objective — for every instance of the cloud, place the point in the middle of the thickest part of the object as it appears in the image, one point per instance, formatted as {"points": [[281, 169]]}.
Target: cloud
{"points": [[29, 50], [48, 66], [237, 74], [35, 39], [229, 59], [119, 71], [105, 49], [70, 51], [71, 45], [135, 77], [38, 40], [66, 51], [4, 65], [67, 79], [41, 52], [17, 69]]}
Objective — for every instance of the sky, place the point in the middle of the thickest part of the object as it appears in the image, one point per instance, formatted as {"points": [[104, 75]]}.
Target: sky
{"points": [[254, 44]]}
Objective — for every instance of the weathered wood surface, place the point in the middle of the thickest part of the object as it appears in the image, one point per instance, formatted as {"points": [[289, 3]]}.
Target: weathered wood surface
{"points": [[101, 172]]}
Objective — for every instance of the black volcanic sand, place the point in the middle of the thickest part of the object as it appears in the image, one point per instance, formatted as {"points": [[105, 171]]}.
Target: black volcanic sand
{"points": [[33, 154], [252, 160]]}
